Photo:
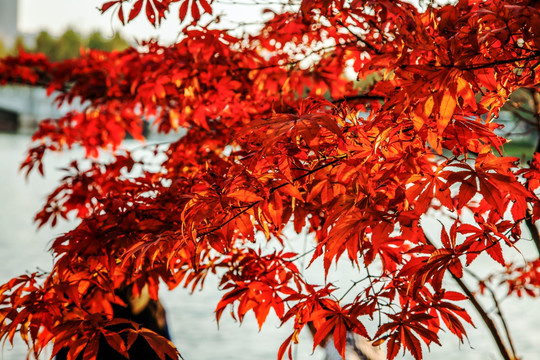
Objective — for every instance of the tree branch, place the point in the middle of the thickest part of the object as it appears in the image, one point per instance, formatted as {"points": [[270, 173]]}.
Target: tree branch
{"points": [[528, 221], [359, 97], [485, 317], [483, 314], [499, 312], [534, 55]]}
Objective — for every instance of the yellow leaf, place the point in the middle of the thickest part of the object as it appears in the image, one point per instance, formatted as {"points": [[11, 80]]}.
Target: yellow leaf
{"points": [[174, 117], [428, 106], [418, 121], [446, 111], [435, 141]]}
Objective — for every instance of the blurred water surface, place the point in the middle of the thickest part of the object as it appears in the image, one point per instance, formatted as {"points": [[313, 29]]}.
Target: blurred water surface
{"points": [[192, 323]]}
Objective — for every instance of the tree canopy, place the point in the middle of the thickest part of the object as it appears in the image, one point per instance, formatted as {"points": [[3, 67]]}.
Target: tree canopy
{"points": [[279, 141]]}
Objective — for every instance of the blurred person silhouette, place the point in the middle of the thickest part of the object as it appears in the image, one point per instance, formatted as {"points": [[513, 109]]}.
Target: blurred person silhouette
{"points": [[357, 347], [143, 310]]}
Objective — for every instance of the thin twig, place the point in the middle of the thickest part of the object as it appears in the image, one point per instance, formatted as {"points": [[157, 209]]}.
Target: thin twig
{"points": [[272, 190]]}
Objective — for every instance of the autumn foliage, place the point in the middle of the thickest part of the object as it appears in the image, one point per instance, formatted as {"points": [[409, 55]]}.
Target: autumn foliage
{"points": [[279, 139]]}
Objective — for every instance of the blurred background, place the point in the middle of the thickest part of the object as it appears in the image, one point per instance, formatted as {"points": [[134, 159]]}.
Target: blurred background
{"points": [[60, 28]]}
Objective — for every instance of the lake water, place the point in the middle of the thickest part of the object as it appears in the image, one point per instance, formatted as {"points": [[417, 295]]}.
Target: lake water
{"points": [[192, 323]]}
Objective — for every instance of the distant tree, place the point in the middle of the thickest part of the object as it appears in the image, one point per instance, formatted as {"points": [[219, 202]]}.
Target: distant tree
{"points": [[96, 41], [17, 45], [3, 50], [117, 42], [69, 45], [46, 44], [524, 105]]}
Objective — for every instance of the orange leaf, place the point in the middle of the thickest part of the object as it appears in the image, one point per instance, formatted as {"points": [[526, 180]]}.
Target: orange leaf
{"points": [[245, 196], [446, 111]]}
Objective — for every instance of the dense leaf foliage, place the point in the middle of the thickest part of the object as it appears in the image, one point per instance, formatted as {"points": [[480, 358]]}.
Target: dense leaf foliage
{"points": [[279, 140]]}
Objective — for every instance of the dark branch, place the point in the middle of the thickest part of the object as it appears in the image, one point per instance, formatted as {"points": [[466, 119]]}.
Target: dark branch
{"points": [[358, 97], [483, 314]]}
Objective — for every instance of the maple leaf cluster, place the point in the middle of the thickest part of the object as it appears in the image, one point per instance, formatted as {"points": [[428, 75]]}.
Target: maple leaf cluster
{"points": [[278, 140]]}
